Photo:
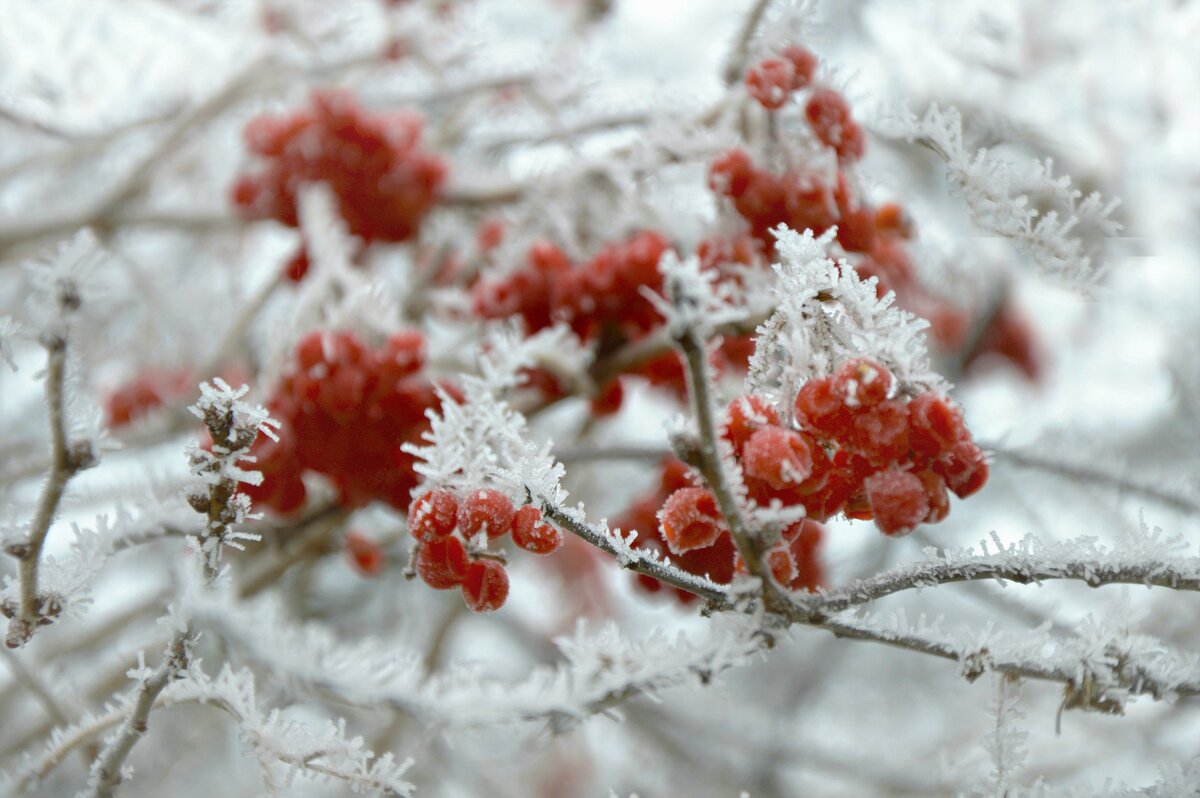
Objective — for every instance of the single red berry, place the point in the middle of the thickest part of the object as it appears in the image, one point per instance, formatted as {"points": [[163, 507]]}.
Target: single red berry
{"points": [[780, 457], [964, 468], [897, 500], [935, 425], [804, 65], [770, 82], [690, 520], [730, 173], [830, 119], [433, 515], [820, 409], [745, 415], [442, 563], [862, 382], [881, 432], [805, 542], [485, 586], [367, 556], [485, 509], [531, 534]]}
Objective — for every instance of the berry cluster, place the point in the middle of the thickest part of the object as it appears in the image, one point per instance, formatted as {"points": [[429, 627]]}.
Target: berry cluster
{"points": [[384, 182], [452, 534], [683, 520], [858, 450], [773, 80], [600, 298], [345, 411]]}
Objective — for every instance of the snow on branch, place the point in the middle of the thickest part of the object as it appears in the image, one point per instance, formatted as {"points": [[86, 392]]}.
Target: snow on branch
{"points": [[599, 671], [1146, 558], [827, 315], [1007, 204], [323, 752]]}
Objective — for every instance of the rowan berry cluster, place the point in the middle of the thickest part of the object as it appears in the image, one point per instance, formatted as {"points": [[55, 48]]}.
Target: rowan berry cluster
{"points": [[452, 533], [683, 520], [385, 183], [345, 411], [858, 448]]}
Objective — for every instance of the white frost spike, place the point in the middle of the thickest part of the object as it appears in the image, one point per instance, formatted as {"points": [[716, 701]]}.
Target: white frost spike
{"points": [[482, 440], [1005, 203], [827, 315], [698, 301]]}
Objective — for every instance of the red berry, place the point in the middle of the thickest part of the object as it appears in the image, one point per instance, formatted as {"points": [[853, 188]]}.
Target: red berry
{"points": [[483, 510], [442, 563], [898, 501], [730, 174], [936, 494], [485, 586], [365, 555], [531, 534], [881, 432], [780, 457], [830, 119], [820, 409], [746, 415], [862, 382], [805, 541], [770, 82], [964, 468], [935, 425], [690, 520], [433, 515], [804, 65]]}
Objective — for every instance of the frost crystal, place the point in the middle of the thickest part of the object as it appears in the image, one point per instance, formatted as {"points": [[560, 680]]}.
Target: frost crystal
{"points": [[827, 315], [999, 203]]}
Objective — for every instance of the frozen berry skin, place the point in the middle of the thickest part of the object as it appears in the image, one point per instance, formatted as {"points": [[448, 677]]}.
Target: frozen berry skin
{"points": [[804, 65], [821, 410], [777, 456], [365, 555], [534, 535], [897, 500], [433, 515], [862, 382], [730, 174], [937, 496], [805, 542], [964, 468], [880, 433], [935, 425], [745, 416], [485, 586], [485, 509], [781, 564], [770, 82], [690, 520], [442, 564]]}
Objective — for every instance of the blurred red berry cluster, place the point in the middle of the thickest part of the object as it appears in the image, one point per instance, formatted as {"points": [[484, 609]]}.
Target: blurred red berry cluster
{"points": [[145, 393], [384, 182], [345, 410], [452, 533]]}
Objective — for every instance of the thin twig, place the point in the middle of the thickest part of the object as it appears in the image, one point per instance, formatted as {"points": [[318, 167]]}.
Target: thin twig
{"points": [[736, 63]]}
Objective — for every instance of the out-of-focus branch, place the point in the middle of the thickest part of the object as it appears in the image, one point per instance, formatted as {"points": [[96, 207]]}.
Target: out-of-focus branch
{"points": [[736, 63]]}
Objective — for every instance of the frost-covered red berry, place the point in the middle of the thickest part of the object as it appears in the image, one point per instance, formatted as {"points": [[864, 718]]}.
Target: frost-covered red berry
{"points": [[745, 416], [485, 586], [804, 65], [485, 509], [862, 382], [532, 534], [777, 456], [442, 563], [730, 173], [770, 81], [433, 515], [690, 520], [897, 500], [935, 424], [964, 468], [829, 117], [781, 564]]}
